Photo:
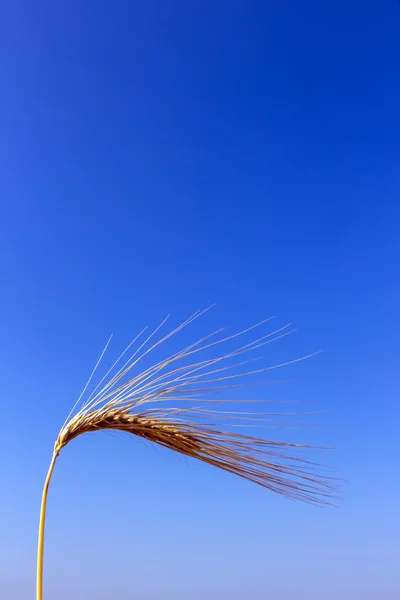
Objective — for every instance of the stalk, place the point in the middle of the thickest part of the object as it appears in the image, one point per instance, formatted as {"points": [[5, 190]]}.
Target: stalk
{"points": [[39, 576]]}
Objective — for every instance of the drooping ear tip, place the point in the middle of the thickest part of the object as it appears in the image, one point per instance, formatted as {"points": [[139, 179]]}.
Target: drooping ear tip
{"points": [[115, 405]]}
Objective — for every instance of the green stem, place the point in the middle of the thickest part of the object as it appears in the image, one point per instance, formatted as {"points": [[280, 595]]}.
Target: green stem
{"points": [[39, 577]]}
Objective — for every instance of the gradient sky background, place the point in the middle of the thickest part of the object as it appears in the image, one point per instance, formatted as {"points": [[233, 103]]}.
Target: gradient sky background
{"points": [[157, 157]]}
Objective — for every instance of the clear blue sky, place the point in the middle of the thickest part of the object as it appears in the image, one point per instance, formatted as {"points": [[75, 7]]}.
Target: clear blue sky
{"points": [[158, 157]]}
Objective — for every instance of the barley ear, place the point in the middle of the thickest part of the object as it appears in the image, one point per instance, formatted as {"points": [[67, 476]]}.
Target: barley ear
{"points": [[195, 425]]}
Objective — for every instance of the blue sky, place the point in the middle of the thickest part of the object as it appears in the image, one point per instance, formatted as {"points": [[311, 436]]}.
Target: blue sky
{"points": [[158, 157]]}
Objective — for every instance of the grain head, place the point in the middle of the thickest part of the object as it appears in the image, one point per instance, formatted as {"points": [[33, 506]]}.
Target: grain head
{"points": [[181, 402]]}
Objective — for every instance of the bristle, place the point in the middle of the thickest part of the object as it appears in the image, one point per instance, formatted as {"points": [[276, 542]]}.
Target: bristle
{"points": [[188, 430]]}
